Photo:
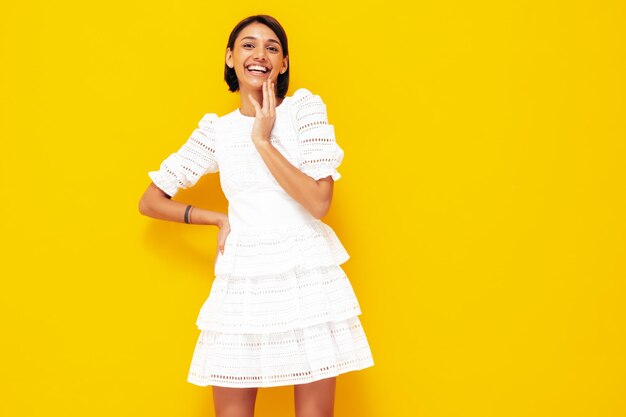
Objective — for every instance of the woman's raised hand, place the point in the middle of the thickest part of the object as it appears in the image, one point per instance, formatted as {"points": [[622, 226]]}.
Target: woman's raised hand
{"points": [[266, 115]]}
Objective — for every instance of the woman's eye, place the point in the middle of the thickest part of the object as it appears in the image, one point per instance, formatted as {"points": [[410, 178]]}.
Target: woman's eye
{"points": [[273, 48]]}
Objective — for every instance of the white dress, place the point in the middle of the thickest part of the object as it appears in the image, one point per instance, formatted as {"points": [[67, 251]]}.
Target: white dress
{"points": [[281, 310]]}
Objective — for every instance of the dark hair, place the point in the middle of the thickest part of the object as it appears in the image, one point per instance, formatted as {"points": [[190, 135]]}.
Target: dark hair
{"points": [[282, 83]]}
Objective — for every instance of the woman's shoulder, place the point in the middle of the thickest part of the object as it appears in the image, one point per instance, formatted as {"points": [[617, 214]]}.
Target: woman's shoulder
{"points": [[305, 100], [302, 95], [301, 92], [307, 107], [209, 118], [221, 119]]}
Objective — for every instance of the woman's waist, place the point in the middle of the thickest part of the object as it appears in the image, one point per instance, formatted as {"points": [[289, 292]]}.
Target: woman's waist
{"points": [[265, 209]]}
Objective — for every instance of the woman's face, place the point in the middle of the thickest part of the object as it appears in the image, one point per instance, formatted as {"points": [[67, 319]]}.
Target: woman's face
{"points": [[256, 45]]}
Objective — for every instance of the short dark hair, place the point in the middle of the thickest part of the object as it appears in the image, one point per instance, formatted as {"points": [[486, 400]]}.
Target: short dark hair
{"points": [[282, 83]]}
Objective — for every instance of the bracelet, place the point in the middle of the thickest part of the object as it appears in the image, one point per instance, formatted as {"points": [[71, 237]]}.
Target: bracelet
{"points": [[187, 213]]}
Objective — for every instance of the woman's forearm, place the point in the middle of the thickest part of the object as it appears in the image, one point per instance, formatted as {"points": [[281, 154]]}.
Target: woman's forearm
{"points": [[154, 203], [315, 196]]}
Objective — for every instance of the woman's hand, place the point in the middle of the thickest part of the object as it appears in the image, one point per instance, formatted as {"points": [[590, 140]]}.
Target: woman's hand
{"points": [[266, 115], [224, 226]]}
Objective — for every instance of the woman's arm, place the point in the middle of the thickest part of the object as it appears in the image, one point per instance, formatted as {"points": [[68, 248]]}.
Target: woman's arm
{"points": [[157, 204], [315, 196]]}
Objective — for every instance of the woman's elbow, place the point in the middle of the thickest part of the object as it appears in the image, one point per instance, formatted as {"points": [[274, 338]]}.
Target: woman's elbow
{"points": [[323, 198], [143, 206], [148, 199], [321, 209]]}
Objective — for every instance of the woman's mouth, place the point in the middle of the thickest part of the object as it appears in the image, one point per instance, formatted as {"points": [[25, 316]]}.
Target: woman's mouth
{"points": [[257, 70]]}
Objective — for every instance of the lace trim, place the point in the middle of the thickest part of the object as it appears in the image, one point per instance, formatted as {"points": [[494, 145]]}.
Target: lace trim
{"points": [[278, 302], [293, 357], [307, 245], [320, 155]]}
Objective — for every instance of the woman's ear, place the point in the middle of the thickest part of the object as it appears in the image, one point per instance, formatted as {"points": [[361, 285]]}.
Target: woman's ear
{"points": [[285, 64], [229, 58]]}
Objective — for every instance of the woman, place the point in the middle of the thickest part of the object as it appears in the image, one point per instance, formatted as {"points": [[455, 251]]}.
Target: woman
{"points": [[281, 310]]}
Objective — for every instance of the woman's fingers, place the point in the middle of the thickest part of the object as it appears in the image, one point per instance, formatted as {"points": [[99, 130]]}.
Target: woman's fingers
{"points": [[269, 99], [221, 240], [272, 98], [265, 96], [254, 103]]}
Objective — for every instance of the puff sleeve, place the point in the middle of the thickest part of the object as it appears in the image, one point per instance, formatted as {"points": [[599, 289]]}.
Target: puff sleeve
{"points": [[320, 155], [195, 158]]}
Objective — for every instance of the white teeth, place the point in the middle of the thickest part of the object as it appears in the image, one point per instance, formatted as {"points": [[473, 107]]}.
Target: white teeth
{"points": [[258, 67]]}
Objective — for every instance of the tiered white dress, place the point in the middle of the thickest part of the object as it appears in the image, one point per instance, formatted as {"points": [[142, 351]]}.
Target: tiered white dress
{"points": [[281, 310]]}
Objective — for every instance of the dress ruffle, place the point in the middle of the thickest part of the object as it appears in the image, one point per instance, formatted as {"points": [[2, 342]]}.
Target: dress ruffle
{"points": [[320, 154], [295, 356], [278, 302], [281, 311], [264, 252]]}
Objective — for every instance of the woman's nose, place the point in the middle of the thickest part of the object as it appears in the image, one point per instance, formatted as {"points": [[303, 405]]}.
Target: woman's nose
{"points": [[260, 53]]}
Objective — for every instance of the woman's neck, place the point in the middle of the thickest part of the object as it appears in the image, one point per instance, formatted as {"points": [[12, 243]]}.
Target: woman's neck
{"points": [[246, 107]]}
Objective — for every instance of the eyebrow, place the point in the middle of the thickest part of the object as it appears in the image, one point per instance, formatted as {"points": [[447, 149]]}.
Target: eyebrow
{"points": [[254, 38]]}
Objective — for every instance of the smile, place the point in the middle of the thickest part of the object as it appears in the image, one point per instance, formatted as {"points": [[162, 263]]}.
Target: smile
{"points": [[257, 69]]}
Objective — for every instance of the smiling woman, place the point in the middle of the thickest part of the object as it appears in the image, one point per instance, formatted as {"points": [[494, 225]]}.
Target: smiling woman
{"points": [[246, 39], [281, 310]]}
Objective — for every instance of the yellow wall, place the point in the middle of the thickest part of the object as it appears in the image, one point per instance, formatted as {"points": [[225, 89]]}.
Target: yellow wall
{"points": [[482, 202]]}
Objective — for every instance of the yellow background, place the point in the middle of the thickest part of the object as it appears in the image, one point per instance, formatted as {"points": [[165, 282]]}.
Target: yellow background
{"points": [[482, 202]]}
